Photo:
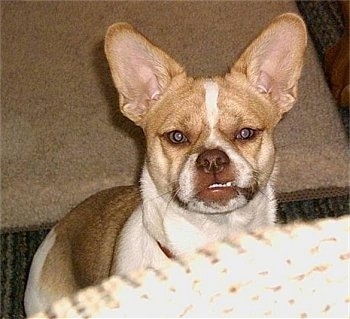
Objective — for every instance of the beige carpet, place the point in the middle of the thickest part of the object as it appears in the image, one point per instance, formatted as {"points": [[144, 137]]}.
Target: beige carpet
{"points": [[62, 136]]}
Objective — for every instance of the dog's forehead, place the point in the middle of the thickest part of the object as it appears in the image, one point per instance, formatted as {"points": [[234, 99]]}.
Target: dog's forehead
{"points": [[235, 100], [204, 102]]}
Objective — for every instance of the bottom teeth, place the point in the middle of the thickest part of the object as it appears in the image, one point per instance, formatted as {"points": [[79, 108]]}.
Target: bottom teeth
{"points": [[228, 184]]}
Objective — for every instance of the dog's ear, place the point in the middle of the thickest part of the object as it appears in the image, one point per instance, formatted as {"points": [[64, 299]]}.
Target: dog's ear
{"points": [[273, 61], [140, 71]]}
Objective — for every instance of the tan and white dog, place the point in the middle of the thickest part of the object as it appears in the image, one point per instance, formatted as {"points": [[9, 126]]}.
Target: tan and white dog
{"points": [[207, 173]]}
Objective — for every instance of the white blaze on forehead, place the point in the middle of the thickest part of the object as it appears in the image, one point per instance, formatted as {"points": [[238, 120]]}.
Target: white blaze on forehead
{"points": [[211, 101]]}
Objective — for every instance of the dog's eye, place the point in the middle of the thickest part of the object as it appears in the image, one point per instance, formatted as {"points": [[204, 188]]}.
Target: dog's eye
{"points": [[177, 137], [245, 133]]}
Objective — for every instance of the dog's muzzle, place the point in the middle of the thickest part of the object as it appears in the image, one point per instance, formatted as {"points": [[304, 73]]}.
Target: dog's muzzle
{"points": [[214, 183], [215, 177]]}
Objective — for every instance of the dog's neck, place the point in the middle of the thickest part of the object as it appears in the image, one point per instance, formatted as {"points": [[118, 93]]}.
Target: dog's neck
{"points": [[202, 228]]}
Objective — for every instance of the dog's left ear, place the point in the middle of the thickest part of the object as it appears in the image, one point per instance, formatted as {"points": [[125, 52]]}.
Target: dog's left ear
{"points": [[141, 72], [273, 61]]}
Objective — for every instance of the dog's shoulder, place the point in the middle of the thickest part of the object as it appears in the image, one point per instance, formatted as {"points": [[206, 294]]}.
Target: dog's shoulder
{"points": [[89, 232]]}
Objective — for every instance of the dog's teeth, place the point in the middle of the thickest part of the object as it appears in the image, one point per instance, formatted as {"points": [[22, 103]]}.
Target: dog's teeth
{"points": [[228, 184]]}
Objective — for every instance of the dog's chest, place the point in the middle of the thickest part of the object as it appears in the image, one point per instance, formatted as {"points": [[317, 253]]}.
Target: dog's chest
{"points": [[186, 231]]}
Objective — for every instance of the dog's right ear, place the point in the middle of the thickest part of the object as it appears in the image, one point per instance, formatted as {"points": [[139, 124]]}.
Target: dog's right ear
{"points": [[141, 72]]}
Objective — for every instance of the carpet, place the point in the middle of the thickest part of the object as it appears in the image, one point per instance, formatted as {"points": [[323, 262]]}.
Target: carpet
{"points": [[63, 137]]}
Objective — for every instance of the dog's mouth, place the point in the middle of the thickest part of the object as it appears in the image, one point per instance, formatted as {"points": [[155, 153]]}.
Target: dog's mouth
{"points": [[216, 197], [218, 192], [219, 197], [216, 186]]}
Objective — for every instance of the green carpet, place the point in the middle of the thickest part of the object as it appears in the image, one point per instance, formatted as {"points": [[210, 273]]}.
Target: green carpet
{"points": [[17, 249]]}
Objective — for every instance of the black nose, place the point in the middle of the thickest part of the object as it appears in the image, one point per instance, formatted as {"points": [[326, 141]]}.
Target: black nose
{"points": [[212, 161]]}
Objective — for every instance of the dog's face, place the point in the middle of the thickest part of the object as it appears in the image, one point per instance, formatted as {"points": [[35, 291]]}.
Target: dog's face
{"points": [[209, 141], [208, 144]]}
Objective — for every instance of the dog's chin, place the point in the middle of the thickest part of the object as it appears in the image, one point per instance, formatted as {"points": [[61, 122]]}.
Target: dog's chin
{"points": [[219, 200]]}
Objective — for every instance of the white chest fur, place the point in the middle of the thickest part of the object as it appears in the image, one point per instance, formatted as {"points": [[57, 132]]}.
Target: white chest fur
{"points": [[182, 231]]}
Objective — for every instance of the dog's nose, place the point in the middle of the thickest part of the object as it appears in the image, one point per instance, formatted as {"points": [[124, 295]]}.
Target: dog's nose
{"points": [[212, 161]]}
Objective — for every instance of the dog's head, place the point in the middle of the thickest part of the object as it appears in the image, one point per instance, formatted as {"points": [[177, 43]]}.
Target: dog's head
{"points": [[209, 141]]}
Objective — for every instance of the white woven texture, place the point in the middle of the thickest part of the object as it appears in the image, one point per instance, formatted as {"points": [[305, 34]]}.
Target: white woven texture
{"points": [[294, 271]]}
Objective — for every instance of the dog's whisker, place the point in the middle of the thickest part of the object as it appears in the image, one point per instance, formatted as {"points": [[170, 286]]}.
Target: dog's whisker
{"points": [[165, 193], [172, 197], [161, 195], [260, 191]]}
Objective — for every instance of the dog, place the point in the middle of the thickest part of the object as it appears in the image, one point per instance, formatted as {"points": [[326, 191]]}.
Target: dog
{"points": [[209, 164]]}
